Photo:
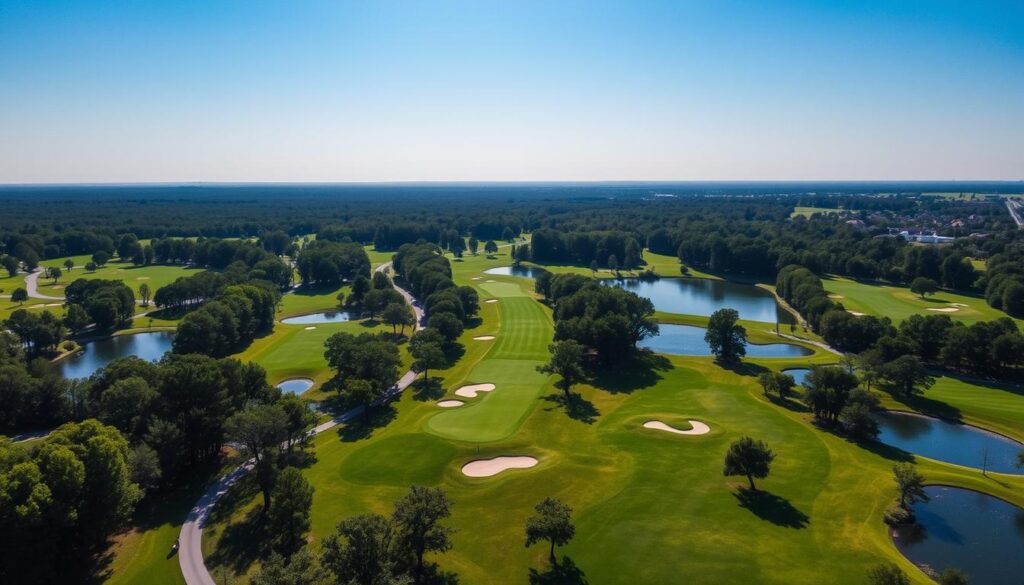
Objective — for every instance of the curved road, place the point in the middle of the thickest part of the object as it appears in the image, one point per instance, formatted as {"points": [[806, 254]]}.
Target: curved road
{"points": [[32, 287], [190, 541]]}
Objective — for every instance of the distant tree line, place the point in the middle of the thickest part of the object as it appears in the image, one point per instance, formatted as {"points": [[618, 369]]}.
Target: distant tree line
{"points": [[327, 263], [610, 249]]}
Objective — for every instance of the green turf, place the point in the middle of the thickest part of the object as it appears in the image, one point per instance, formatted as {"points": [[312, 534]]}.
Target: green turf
{"points": [[650, 507], [801, 211], [898, 303], [154, 275]]}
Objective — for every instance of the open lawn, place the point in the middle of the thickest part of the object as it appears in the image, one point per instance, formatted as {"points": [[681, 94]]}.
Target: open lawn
{"points": [[801, 211], [648, 501], [649, 506], [898, 303], [155, 275]]}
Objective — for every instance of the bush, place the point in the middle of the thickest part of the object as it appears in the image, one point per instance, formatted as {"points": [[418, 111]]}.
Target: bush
{"points": [[896, 515]]}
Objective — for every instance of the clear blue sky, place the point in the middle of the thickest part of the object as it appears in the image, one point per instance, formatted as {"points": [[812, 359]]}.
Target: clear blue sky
{"points": [[329, 90]]}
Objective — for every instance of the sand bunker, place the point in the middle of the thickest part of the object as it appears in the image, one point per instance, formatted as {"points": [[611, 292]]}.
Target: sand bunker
{"points": [[491, 301], [475, 278], [959, 304], [489, 467], [855, 313], [310, 328], [489, 280], [471, 390], [484, 338], [699, 428], [835, 296], [945, 309], [141, 278], [450, 403]]}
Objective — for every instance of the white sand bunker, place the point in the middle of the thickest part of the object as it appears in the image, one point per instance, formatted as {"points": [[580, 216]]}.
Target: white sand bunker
{"points": [[483, 338], [489, 467], [959, 304], [476, 278], [855, 313], [310, 328], [835, 296], [491, 301], [471, 390], [699, 428], [945, 309], [489, 280], [141, 278], [450, 403]]}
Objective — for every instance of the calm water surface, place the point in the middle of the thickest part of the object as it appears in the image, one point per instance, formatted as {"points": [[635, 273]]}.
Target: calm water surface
{"points": [[522, 271], [317, 318], [688, 340], [799, 374], [295, 385], [981, 535], [953, 443], [701, 296], [96, 354]]}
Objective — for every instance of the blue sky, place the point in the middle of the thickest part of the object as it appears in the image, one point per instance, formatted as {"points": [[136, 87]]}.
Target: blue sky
{"points": [[326, 90]]}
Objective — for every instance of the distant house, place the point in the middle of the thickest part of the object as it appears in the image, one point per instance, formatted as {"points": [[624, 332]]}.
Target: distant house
{"points": [[924, 237], [855, 223]]}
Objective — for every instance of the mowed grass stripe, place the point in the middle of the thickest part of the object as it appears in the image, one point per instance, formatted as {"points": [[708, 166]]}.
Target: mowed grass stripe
{"points": [[504, 289], [525, 331]]}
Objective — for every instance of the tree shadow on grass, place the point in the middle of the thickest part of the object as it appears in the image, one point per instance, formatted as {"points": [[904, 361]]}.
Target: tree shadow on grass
{"points": [[575, 406], [242, 543], [742, 368], [773, 508], [789, 403], [363, 425], [563, 573], [427, 390], [929, 406], [887, 451], [640, 370]]}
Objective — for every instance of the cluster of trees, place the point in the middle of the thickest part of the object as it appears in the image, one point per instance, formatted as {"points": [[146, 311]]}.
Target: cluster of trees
{"points": [[229, 321], [429, 276], [365, 366], [1005, 281], [988, 348], [606, 319], [32, 394], [836, 398], [61, 500], [106, 303], [610, 249], [37, 332], [327, 263]]}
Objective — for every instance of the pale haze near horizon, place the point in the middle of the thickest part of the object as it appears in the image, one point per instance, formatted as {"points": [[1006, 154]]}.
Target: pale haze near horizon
{"points": [[254, 90]]}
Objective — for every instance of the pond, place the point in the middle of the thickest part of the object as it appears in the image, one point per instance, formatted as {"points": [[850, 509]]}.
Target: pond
{"points": [[689, 341], [701, 296], [317, 318], [799, 374], [96, 354], [981, 535], [521, 271], [954, 443], [295, 385]]}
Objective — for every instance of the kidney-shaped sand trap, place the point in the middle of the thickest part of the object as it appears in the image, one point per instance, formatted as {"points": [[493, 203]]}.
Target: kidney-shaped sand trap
{"points": [[489, 467], [491, 301], [699, 428], [476, 278], [483, 338], [450, 403], [945, 309], [471, 390], [310, 328]]}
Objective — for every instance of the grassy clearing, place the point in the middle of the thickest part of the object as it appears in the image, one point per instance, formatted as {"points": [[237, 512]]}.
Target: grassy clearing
{"points": [[898, 303], [801, 211], [662, 264], [154, 275], [653, 502]]}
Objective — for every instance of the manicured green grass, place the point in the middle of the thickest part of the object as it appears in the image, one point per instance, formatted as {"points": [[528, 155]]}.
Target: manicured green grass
{"points": [[154, 275], [898, 303], [650, 507], [807, 212]]}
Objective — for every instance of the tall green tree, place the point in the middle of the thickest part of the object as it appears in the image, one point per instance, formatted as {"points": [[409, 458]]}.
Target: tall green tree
{"points": [[288, 520], [566, 362], [553, 523], [417, 519], [260, 430], [360, 551], [749, 458], [888, 574], [909, 485], [728, 340]]}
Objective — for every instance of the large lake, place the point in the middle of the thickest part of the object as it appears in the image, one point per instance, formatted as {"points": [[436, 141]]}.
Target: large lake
{"points": [[944, 441], [981, 535], [96, 354], [689, 341], [701, 296]]}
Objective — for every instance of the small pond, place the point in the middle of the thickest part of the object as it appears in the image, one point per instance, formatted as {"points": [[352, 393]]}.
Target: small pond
{"points": [[981, 535], [317, 318], [295, 385], [96, 354], [701, 296], [944, 441], [522, 271], [688, 340], [799, 374]]}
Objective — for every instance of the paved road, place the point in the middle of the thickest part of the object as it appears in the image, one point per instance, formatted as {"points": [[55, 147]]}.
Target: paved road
{"points": [[31, 287], [190, 541], [1016, 210]]}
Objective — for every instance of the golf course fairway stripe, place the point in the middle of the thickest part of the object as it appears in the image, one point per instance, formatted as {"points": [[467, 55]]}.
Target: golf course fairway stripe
{"points": [[504, 289]]}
